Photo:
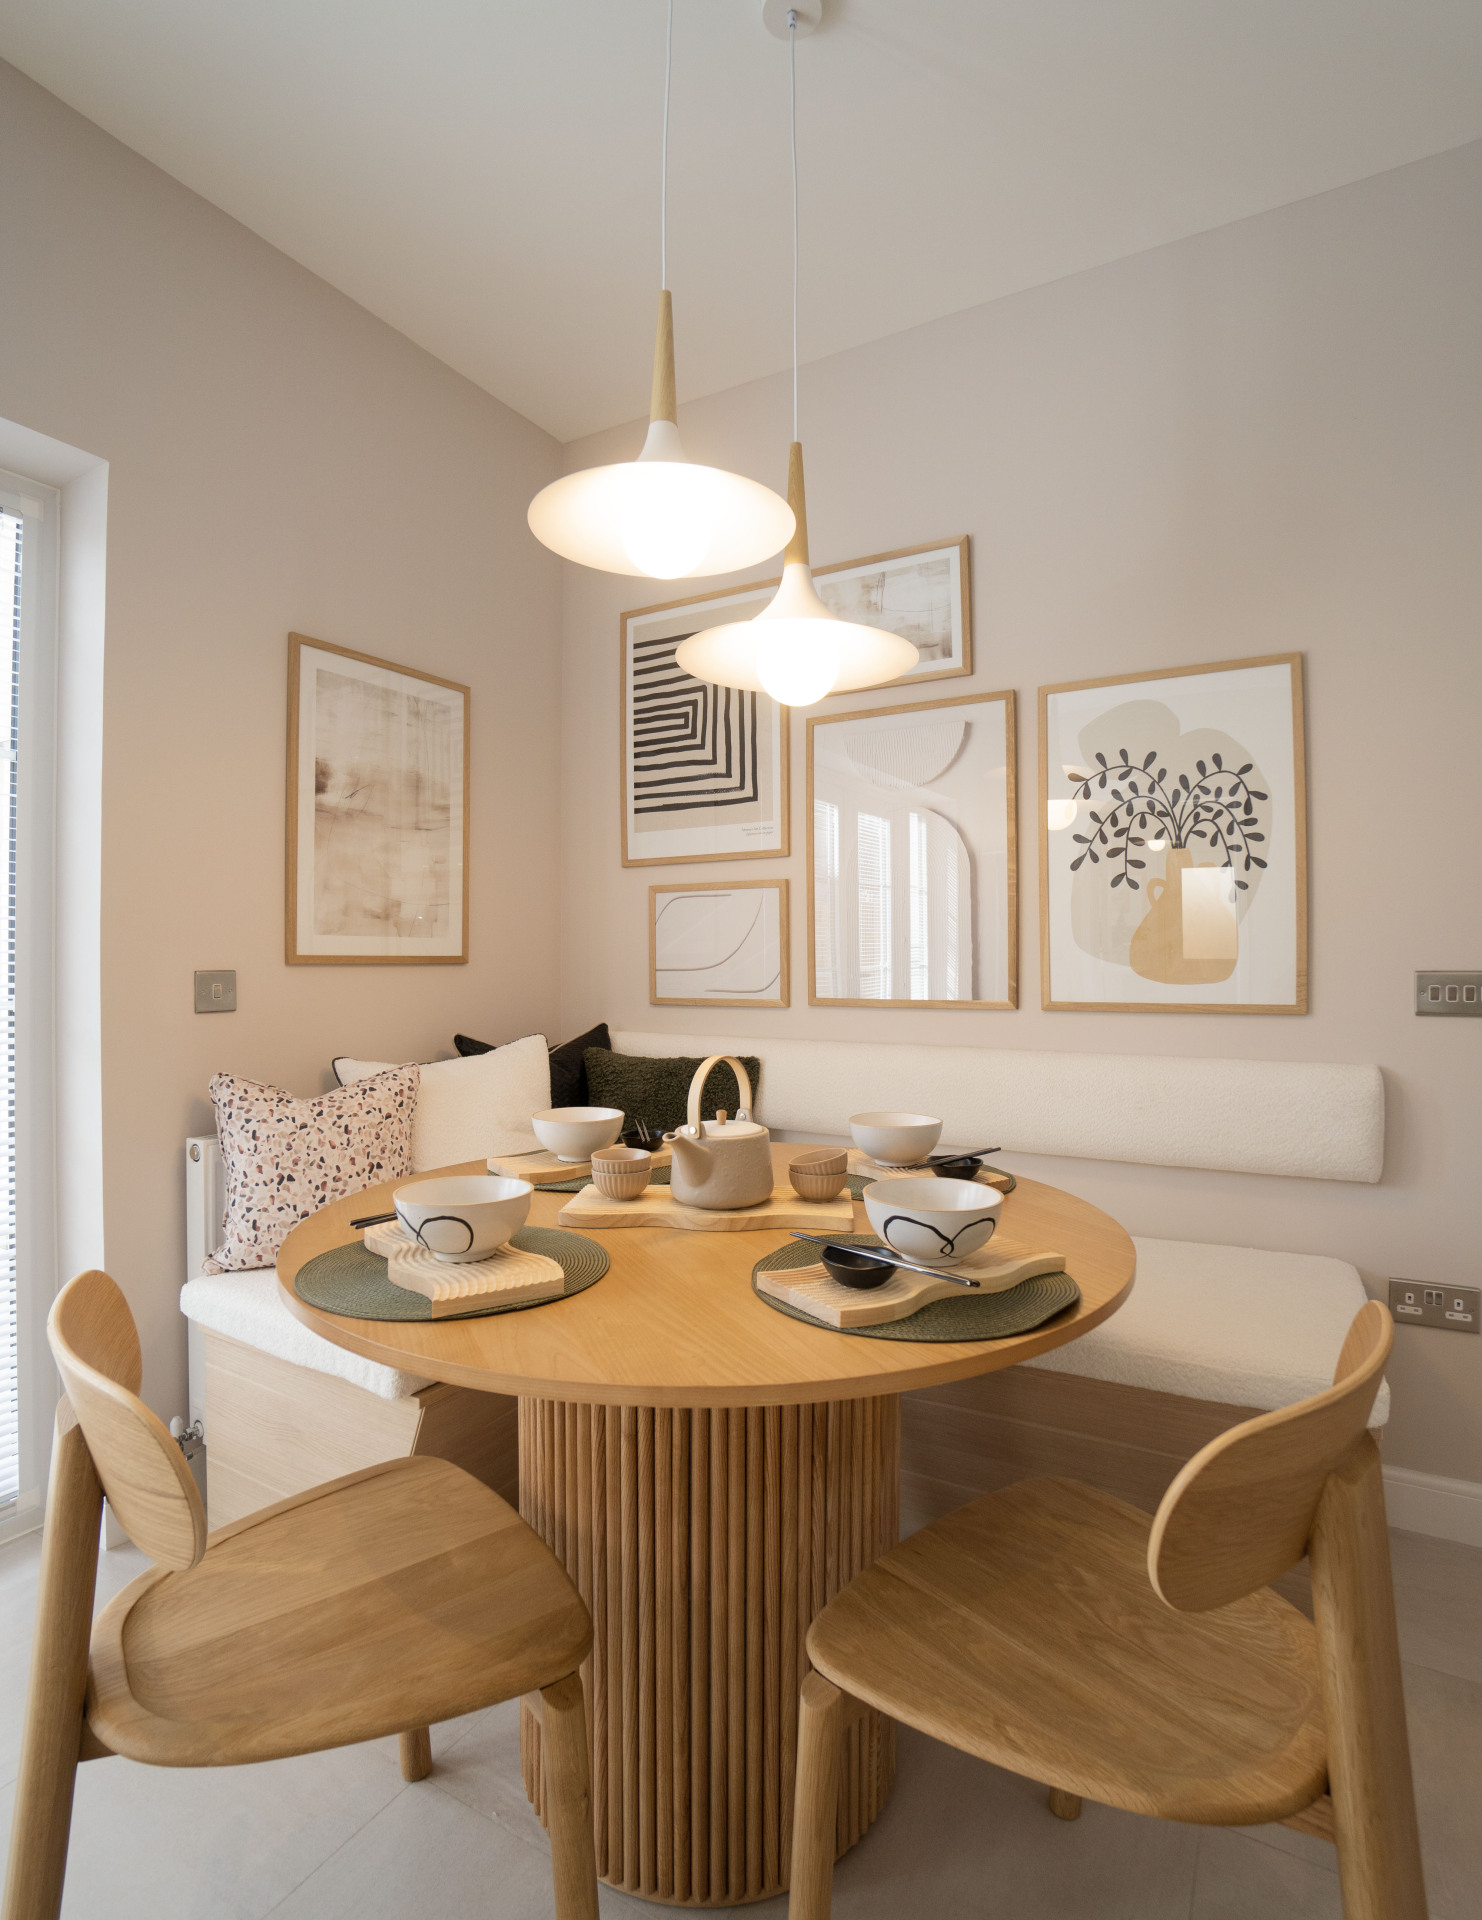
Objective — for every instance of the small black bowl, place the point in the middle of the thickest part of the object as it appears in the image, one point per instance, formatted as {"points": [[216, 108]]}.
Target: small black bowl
{"points": [[852, 1269]]}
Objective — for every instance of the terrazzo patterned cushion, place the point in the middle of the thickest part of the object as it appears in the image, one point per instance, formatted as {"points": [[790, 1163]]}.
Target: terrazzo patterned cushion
{"points": [[285, 1158], [656, 1091]]}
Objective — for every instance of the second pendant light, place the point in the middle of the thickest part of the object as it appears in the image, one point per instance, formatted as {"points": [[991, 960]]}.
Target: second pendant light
{"points": [[796, 649]]}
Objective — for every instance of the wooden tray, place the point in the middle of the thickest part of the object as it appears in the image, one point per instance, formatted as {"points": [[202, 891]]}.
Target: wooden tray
{"points": [[543, 1169], [657, 1207], [815, 1291], [861, 1163]]}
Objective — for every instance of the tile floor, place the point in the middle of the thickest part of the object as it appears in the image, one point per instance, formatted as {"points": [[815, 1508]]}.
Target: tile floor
{"points": [[338, 1836]]}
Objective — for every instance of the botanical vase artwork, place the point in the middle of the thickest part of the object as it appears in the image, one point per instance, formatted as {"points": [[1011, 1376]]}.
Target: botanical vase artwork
{"points": [[1172, 841], [1177, 820]]}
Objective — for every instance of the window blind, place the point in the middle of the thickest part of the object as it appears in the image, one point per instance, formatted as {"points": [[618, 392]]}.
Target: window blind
{"points": [[11, 528]]}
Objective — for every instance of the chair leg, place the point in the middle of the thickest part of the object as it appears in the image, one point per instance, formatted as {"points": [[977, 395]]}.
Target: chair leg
{"points": [[1065, 1806], [1373, 1793], [815, 1799], [563, 1746], [42, 1818], [416, 1753]]}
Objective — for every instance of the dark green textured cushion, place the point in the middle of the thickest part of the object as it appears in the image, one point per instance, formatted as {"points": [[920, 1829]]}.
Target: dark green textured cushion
{"points": [[657, 1091]]}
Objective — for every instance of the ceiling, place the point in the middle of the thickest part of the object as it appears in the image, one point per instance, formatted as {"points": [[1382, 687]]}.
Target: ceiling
{"points": [[484, 174]]}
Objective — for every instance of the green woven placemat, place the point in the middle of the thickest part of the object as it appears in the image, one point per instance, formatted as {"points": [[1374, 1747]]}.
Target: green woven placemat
{"points": [[351, 1281], [975, 1316]]}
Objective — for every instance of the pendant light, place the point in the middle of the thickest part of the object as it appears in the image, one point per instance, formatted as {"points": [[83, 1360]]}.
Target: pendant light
{"points": [[796, 649], [662, 514]]}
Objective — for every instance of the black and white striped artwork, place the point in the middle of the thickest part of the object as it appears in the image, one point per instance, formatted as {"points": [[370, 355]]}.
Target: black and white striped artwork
{"points": [[704, 767]]}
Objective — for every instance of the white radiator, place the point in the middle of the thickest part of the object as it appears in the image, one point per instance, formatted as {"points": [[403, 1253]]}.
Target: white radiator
{"points": [[205, 1212]]}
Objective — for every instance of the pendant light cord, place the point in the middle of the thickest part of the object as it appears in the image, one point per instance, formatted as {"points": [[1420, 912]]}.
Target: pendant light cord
{"points": [[664, 160], [792, 58]]}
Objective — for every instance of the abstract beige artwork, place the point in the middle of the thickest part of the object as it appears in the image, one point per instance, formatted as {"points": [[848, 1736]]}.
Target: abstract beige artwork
{"points": [[377, 811]]}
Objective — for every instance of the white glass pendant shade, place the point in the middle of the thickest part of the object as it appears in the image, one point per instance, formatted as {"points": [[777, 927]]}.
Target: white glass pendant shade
{"points": [[661, 515], [796, 649]]}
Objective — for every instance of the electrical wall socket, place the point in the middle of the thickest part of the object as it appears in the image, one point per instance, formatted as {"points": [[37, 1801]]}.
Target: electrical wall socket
{"points": [[1452, 1309]]}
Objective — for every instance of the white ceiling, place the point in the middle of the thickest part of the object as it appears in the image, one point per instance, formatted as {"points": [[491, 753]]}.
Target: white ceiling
{"points": [[483, 174]]}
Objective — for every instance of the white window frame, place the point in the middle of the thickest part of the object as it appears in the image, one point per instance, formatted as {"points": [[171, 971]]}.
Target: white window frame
{"points": [[39, 507]]}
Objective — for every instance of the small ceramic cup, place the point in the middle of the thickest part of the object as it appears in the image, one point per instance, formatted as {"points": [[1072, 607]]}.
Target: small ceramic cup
{"points": [[820, 1174], [622, 1173]]}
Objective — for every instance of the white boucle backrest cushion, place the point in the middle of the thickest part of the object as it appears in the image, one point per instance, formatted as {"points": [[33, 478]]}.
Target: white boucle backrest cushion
{"points": [[470, 1108], [1302, 1118]]}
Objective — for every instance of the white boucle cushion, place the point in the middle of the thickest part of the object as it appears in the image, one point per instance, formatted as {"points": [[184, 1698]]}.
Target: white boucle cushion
{"points": [[249, 1307], [1235, 1324], [470, 1108]]}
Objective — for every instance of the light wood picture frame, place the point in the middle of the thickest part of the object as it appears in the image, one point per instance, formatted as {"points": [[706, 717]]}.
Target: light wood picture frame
{"points": [[703, 771], [721, 943], [912, 833], [922, 593], [377, 812], [1173, 840]]}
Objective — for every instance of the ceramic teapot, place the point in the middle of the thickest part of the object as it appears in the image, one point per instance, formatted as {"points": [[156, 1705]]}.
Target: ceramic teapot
{"points": [[720, 1163]]}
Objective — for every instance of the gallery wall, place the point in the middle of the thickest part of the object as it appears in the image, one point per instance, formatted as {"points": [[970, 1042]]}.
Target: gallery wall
{"points": [[277, 460], [1264, 439]]}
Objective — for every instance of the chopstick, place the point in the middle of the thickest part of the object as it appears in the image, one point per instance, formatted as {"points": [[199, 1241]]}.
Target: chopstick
{"points": [[374, 1220]]}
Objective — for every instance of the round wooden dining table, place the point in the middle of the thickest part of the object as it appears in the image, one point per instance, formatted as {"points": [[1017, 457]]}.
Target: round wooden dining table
{"points": [[710, 1472]]}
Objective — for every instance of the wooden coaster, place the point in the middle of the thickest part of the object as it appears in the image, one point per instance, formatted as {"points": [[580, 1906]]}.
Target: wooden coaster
{"points": [[814, 1291], [861, 1163], [508, 1275], [657, 1207], [543, 1169]]}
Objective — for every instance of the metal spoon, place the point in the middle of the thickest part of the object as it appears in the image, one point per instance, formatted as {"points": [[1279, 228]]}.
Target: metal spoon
{"points": [[891, 1259]]}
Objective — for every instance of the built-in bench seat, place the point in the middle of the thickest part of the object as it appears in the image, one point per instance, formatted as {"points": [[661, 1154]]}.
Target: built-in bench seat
{"points": [[1209, 1335]]}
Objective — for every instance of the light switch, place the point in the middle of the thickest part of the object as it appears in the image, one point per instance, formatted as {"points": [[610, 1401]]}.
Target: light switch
{"points": [[216, 990], [1449, 994]]}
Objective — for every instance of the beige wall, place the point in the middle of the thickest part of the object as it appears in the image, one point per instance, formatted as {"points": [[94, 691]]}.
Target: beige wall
{"points": [[1265, 438], [277, 460]]}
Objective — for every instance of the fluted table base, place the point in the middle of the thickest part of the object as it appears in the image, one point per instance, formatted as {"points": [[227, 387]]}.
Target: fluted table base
{"points": [[704, 1541]]}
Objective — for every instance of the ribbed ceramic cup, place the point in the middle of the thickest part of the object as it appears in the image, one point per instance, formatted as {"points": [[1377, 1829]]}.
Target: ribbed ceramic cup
{"points": [[622, 1173], [820, 1174]]}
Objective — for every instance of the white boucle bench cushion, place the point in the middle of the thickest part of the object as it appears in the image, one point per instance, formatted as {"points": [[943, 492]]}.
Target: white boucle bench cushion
{"points": [[1302, 1118], [1235, 1324], [248, 1307]]}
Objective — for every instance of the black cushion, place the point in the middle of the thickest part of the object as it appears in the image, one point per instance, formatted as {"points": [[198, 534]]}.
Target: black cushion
{"points": [[568, 1066], [656, 1091]]}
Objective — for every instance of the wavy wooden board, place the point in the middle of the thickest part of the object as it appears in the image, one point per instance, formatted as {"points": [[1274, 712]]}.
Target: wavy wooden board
{"points": [[815, 1291], [657, 1207]]}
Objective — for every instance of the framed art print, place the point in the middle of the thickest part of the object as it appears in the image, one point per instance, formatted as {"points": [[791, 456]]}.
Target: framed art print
{"points": [[922, 593], [377, 811], [1173, 841], [704, 768], [718, 945], [912, 861]]}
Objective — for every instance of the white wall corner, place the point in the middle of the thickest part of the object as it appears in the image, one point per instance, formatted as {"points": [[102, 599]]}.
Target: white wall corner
{"points": [[1430, 1503]]}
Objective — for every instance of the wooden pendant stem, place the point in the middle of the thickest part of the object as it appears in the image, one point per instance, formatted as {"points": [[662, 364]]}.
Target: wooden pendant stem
{"points": [[705, 1541], [797, 547], [662, 404]]}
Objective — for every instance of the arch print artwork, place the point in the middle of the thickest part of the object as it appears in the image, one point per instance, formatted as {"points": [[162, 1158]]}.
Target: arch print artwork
{"points": [[1173, 862]]}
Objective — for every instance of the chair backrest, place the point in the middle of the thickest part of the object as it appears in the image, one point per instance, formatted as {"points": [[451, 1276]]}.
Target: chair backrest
{"points": [[1242, 1511], [144, 1474]]}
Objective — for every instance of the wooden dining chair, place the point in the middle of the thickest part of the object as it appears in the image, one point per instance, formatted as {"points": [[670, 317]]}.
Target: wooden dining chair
{"points": [[1147, 1664], [402, 1595]]}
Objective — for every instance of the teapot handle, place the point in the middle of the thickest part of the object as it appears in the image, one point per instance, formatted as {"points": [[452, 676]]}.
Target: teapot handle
{"points": [[697, 1087]]}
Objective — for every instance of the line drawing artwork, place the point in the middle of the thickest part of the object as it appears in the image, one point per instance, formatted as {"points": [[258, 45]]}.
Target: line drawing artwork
{"points": [[718, 943]]}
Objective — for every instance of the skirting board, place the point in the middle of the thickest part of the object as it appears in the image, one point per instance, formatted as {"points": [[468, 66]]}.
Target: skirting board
{"points": [[1430, 1503]]}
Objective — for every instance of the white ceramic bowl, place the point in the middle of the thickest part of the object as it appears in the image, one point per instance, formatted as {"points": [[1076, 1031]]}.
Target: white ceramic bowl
{"points": [[936, 1221], [575, 1133], [895, 1139], [464, 1217]]}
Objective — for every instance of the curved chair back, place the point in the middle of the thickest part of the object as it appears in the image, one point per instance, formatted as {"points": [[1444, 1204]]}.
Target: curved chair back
{"points": [[144, 1474], [1242, 1511]]}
